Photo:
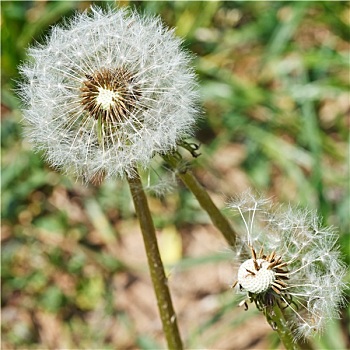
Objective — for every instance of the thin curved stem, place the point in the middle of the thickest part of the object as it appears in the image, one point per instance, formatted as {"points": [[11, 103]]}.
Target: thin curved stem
{"points": [[159, 280], [217, 218]]}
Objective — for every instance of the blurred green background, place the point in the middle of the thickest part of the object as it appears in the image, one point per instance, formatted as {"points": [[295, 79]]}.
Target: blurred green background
{"points": [[274, 80]]}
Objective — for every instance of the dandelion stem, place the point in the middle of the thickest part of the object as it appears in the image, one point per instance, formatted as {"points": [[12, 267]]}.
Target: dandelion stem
{"points": [[187, 177], [158, 277], [276, 318]]}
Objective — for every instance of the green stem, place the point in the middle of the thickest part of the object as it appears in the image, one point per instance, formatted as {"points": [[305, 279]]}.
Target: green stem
{"points": [[158, 277], [217, 218], [276, 318]]}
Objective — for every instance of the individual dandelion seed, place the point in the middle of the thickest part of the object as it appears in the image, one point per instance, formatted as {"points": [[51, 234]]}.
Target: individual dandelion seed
{"points": [[106, 92], [286, 257]]}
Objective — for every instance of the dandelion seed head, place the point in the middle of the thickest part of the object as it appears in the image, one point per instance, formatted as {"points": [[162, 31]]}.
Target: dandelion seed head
{"points": [[289, 258], [106, 92]]}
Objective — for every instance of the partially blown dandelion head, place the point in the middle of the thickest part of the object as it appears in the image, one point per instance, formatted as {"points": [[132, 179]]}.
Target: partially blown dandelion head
{"points": [[286, 257], [108, 91]]}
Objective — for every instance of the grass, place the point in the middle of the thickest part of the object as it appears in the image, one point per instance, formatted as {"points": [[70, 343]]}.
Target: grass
{"points": [[274, 86]]}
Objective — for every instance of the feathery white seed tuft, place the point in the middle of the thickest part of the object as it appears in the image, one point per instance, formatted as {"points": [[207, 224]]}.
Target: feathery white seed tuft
{"points": [[107, 92]]}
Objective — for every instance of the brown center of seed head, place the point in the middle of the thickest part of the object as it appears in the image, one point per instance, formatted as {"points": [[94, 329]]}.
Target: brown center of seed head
{"points": [[110, 94]]}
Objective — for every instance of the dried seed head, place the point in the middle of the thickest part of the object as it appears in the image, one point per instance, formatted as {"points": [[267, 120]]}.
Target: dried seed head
{"points": [[302, 270], [111, 94]]}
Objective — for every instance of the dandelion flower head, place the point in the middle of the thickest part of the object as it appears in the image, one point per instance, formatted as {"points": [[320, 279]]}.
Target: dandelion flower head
{"points": [[106, 92], [284, 256]]}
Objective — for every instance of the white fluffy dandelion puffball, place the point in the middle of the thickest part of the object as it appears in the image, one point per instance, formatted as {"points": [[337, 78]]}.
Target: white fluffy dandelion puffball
{"points": [[285, 256], [107, 92]]}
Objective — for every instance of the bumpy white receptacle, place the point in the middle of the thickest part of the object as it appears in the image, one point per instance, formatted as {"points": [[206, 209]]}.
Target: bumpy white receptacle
{"points": [[253, 280]]}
